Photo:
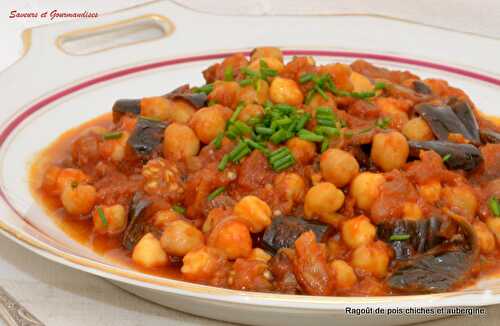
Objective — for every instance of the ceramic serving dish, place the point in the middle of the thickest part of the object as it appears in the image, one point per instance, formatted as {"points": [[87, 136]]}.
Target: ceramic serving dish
{"points": [[74, 71]]}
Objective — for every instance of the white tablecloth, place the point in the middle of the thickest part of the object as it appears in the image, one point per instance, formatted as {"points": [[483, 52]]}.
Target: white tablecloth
{"points": [[58, 295]]}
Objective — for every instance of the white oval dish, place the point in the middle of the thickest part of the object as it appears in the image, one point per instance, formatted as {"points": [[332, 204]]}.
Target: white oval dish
{"points": [[45, 98]]}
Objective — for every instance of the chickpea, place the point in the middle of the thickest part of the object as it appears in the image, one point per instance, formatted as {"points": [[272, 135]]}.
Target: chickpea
{"points": [[258, 93], [373, 258], [271, 62], [485, 237], [318, 101], [163, 217], [345, 278], [180, 142], [148, 252], [493, 224], [417, 129], [336, 249], [302, 150], [338, 167], [254, 211], [114, 221], [114, 149], [323, 200], [291, 185], [68, 176], [179, 237], [180, 111], [394, 109], [225, 93], [202, 263], [389, 150], [360, 83], [340, 73], [358, 231], [461, 200], [365, 189], [412, 211], [251, 111], [215, 216], [430, 192], [260, 255], [287, 91], [266, 52], [78, 199], [207, 123], [155, 107], [233, 238]]}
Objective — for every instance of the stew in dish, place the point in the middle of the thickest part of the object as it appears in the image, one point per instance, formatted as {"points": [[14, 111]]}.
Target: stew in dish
{"points": [[288, 177]]}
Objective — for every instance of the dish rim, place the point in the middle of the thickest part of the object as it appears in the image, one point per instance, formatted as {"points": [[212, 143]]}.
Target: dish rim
{"points": [[129, 275]]}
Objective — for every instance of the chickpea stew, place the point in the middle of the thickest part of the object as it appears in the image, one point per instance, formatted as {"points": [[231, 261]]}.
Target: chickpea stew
{"points": [[287, 177]]}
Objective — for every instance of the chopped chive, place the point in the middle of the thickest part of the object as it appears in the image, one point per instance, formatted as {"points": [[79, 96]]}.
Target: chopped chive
{"points": [[275, 157], [284, 108], [330, 131], [215, 193], [248, 72], [263, 130], [309, 96], [207, 89], [383, 123], [246, 82], [235, 154], [283, 122], [325, 144], [241, 154], [223, 163], [309, 136], [303, 119], [304, 78], [258, 146], [231, 134], [279, 136], [321, 92], [178, 209], [217, 142], [236, 113], [228, 73], [399, 237], [112, 135], [323, 110], [103, 218], [446, 157], [380, 85], [242, 127], [494, 205], [284, 163]]}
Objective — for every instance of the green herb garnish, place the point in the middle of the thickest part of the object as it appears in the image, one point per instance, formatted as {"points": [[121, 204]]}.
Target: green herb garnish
{"points": [[383, 123], [112, 135], [101, 215], [399, 237], [207, 89], [215, 193], [281, 159], [494, 205], [310, 136], [217, 142], [228, 74], [223, 163], [178, 209]]}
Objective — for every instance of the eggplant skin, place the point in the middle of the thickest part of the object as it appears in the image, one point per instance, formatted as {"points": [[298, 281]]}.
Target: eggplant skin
{"points": [[443, 121], [421, 88], [147, 135], [465, 114], [490, 136], [432, 273], [137, 226], [284, 230], [198, 100], [126, 106], [424, 235], [461, 156]]}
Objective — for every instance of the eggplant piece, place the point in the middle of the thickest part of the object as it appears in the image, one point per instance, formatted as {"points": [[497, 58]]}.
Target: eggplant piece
{"points": [[126, 107], [432, 273], [284, 230], [465, 114], [136, 221], [424, 235], [490, 136], [147, 135], [461, 156], [442, 121], [421, 87], [198, 100], [441, 268]]}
